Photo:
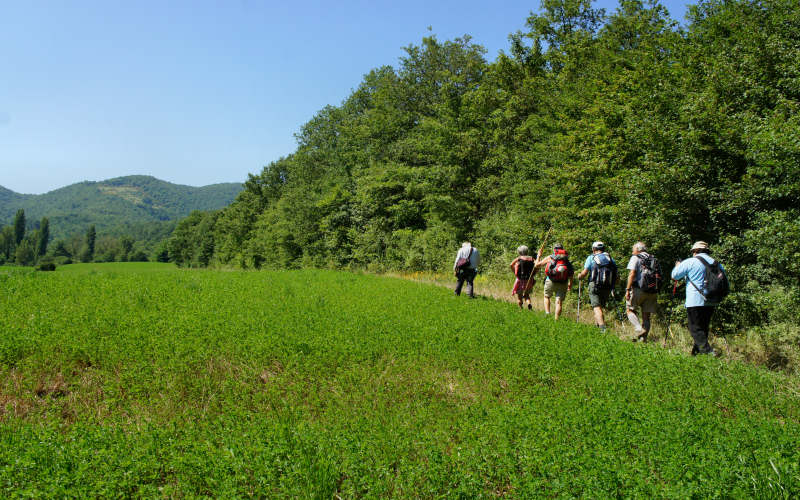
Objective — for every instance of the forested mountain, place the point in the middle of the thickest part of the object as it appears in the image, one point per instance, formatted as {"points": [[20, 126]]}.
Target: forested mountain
{"points": [[134, 205], [618, 126]]}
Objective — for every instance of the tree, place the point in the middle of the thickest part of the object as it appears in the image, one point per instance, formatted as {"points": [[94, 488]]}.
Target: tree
{"points": [[19, 226], [26, 252], [161, 253], [91, 237], [126, 244], [44, 237], [60, 249], [7, 244]]}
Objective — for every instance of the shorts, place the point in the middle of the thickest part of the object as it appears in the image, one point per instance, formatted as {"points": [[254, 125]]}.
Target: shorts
{"points": [[598, 297], [647, 301], [558, 289]]}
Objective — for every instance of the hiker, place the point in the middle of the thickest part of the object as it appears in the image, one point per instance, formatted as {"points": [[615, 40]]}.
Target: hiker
{"points": [[602, 280], [702, 293], [465, 267], [641, 291], [558, 281], [525, 271]]}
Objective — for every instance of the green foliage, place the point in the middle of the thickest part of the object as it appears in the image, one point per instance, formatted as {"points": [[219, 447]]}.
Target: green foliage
{"points": [[146, 380], [19, 226], [44, 237], [7, 242], [141, 207], [46, 266], [25, 254], [91, 238], [619, 126], [192, 242]]}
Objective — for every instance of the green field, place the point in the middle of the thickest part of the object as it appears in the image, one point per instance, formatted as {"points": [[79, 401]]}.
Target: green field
{"points": [[143, 379]]}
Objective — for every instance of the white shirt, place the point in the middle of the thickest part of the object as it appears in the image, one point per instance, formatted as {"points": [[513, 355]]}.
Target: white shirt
{"points": [[463, 253]]}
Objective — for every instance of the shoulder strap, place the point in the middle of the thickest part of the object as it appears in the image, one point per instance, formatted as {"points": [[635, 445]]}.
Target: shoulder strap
{"points": [[702, 261], [706, 265]]}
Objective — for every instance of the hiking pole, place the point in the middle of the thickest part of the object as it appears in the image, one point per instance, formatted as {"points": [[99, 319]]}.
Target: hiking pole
{"points": [[579, 300], [668, 333]]}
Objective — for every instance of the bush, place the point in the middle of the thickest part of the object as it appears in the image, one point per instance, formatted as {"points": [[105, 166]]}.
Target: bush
{"points": [[138, 256], [46, 266]]}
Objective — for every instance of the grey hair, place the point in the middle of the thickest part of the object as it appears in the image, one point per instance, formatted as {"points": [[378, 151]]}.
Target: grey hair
{"points": [[640, 247], [522, 250], [466, 244]]}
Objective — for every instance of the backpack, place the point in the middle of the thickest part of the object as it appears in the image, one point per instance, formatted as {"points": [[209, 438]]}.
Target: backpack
{"points": [[464, 263], [604, 271], [559, 269], [650, 276], [524, 269], [715, 282]]}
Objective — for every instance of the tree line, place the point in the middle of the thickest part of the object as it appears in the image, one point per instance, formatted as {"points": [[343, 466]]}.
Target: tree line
{"points": [[20, 246], [618, 127]]}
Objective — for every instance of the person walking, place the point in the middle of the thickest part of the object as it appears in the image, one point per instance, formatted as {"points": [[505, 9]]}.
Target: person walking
{"points": [[558, 281], [525, 271], [602, 280], [465, 268], [702, 296], [641, 290]]}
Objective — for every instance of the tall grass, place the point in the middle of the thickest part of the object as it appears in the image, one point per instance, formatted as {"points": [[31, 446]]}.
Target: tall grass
{"points": [[128, 380]]}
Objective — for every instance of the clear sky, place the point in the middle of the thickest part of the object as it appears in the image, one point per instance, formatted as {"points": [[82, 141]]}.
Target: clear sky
{"points": [[199, 92]]}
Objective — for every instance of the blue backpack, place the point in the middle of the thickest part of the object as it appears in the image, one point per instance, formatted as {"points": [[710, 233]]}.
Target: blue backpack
{"points": [[604, 271]]}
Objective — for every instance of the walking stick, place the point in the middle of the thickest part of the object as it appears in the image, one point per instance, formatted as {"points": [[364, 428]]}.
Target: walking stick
{"points": [[579, 300], [669, 314], [544, 242]]}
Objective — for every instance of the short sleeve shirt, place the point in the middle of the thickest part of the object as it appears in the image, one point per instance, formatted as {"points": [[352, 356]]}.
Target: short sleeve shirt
{"points": [[635, 264], [589, 264]]}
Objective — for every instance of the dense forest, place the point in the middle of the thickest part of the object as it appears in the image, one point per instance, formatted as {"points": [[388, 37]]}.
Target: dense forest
{"points": [[619, 126]]}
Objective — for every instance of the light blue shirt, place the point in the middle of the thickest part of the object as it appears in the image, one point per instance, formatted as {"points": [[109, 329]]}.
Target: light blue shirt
{"points": [[589, 264], [694, 270]]}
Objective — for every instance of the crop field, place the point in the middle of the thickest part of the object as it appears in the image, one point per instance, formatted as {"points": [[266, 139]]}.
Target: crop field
{"points": [[146, 380]]}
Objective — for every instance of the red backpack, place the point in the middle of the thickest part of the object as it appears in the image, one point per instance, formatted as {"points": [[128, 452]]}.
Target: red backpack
{"points": [[559, 269]]}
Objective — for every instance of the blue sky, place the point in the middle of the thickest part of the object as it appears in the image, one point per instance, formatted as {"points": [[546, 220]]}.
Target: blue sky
{"points": [[199, 92]]}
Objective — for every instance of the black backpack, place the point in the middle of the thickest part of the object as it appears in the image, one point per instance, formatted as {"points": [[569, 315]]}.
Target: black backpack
{"points": [[604, 271], [524, 269], [715, 282], [650, 276]]}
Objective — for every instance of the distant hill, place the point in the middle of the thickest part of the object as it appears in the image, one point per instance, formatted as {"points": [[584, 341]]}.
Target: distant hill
{"points": [[134, 201]]}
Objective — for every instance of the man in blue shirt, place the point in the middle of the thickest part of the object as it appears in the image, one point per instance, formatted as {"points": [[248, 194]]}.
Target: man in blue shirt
{"points": [[602, 280], [698, 309]]}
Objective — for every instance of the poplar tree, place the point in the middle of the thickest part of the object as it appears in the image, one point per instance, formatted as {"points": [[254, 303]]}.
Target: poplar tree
{"points": [[19, 226], [44, 237], [91, 236]]}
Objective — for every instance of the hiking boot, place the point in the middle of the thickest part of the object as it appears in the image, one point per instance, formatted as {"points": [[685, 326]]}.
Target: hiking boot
{"points": [[602, 328], [530, 307]]}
